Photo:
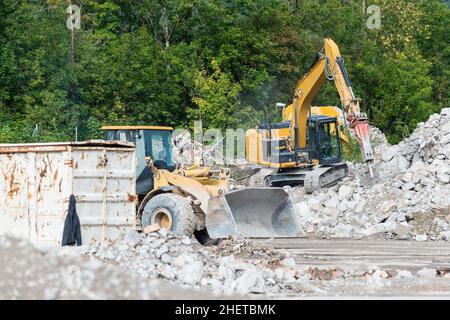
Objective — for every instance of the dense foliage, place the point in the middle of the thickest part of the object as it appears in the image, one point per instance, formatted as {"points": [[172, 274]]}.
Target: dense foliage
{"points": [[226, 62]]}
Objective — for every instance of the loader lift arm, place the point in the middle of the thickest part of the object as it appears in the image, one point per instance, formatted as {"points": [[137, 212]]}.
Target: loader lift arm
{"points": [[329, 65]]}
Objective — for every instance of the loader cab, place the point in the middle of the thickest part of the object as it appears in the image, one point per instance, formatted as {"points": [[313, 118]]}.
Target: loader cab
{"points": [[323, 139], [151, 141]]}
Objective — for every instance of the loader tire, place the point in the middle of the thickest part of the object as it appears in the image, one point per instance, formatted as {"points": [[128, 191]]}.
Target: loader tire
{"points": [[170, 211]]}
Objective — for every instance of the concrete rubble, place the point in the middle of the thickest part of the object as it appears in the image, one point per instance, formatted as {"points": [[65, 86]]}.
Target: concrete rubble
{"points": [[409, 198], [237, 267], [181, 260]]}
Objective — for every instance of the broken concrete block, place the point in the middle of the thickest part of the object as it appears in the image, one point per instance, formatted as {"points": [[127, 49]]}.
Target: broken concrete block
{"points": [[191, 273], [331, 211], [332, 202], [343, 231], [166, 258], [360, 207], [443, 178], [408, 186], [445, 112], [404, 274], [390, 152], [409, 194], [163, 232], [379, 228], [345, 192], [346, 205], [421, 237], [387, 206], [314, 204], [303, 214], [445, 127], [132, 238], [279, 273], [402, 163], [446, 235], [249, 281], [403, 231], [151, 228], [288, 263], [301, 208], [427, 273]]}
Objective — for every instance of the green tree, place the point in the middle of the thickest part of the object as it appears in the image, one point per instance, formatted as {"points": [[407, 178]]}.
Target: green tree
{"points": [[150, 62], [216, 100]]}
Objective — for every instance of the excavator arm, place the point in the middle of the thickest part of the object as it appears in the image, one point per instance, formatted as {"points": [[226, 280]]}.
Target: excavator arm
{"points": [[329, 65]]}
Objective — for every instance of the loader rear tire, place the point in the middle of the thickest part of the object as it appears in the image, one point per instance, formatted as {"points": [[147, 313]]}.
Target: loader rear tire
{"points": [[170, 211]]}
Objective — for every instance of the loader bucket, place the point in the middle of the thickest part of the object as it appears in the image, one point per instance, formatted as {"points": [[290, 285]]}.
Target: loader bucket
{"points": [[251, 212]]}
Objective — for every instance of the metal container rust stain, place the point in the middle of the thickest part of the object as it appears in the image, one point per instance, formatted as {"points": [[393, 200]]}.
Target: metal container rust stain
{"points": [[36, 181], [13, 186], [132, 197]]}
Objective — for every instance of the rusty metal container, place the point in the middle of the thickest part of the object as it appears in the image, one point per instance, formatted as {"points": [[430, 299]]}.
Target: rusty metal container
{"points": [[36, 181]]}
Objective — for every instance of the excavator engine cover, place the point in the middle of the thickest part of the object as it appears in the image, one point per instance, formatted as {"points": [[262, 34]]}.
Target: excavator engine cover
{"points": [[251, 212]]}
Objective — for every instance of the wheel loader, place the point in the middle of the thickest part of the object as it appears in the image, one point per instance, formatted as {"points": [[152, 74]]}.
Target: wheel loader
{"points": [[305, 149], [197, 200]]}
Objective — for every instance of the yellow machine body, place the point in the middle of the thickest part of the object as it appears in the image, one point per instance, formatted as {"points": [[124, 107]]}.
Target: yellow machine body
{"points": [[196, 199]]}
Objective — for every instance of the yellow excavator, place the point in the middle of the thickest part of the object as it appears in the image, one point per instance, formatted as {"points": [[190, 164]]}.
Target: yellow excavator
{"points": [[197, 200], [305, 149]]}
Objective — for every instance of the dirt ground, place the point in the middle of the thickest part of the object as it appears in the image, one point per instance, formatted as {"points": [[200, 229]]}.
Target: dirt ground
{"points": [[370, 268]]}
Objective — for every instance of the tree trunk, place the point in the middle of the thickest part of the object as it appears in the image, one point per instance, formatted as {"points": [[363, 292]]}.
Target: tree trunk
{"points": [[165, 25]]}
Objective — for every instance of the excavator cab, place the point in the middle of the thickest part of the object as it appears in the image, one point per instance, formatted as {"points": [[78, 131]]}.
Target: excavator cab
{"points": [[324, 140]]}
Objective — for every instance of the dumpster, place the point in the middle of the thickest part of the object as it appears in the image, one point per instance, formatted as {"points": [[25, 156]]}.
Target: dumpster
{"points": [[36, 181]]}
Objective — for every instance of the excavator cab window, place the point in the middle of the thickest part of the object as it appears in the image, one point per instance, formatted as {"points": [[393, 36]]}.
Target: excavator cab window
{"points": [[328, 145]]}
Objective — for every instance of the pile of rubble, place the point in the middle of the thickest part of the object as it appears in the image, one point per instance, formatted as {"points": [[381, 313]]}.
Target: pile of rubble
{"points": [[40, 272], [238, 267], [223, 269], [408, 199]]}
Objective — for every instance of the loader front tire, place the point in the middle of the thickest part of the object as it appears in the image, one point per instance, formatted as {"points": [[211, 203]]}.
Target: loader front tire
{"points": [[170, 211]]}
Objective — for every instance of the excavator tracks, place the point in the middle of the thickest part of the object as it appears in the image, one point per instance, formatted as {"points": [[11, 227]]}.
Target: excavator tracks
{"points": [[311, 178], [323, 177]]}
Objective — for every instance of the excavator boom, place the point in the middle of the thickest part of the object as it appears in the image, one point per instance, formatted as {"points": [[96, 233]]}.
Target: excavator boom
{"points": [[329, 65]]}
